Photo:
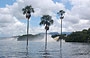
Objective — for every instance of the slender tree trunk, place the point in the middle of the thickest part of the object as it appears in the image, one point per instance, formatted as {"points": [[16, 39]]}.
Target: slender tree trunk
{"points": [[61, 41], [61, 36], [46, 42], [27, 34]]}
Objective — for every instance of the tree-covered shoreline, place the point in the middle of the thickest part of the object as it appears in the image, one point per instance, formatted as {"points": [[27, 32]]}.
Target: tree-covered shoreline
{"points": [[79, 36]]}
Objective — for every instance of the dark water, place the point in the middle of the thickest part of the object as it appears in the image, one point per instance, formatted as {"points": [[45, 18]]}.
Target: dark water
{"points": [[11, 48]]}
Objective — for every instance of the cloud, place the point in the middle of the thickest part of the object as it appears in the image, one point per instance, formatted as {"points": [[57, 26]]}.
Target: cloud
{"points": [[10, 26], [76, 18], [81, 8], [12, 14]]}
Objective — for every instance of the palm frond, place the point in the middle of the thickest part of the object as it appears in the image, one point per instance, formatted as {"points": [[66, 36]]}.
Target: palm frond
{"points": [[61, 12], [46, 20], [32, 10], [42, 23], [51, 21], [28, 9]]}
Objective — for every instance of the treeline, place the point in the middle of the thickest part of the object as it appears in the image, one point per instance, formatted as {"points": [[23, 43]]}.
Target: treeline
{"points": [[79, 36]]}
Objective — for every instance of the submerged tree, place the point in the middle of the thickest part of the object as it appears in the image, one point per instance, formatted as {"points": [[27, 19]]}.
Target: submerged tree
{"points": [[61, 12], [47, 21], [27, 11]]}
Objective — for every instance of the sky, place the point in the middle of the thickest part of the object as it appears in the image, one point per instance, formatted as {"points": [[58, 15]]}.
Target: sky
{"points": [[13, 22]]}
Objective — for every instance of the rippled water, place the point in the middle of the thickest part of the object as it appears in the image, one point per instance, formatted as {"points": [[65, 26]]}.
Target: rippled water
{"points": [[11, 48]]}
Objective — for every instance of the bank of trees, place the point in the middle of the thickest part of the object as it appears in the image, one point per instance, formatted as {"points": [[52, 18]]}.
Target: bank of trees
{"points": [[79, 36]]}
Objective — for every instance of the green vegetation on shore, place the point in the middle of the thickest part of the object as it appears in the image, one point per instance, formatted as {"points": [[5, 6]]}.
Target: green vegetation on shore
{"points": [[79, 36]]}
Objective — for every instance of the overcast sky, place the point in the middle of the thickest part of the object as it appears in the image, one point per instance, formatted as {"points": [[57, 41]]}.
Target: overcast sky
{"points": [[13, 22]]}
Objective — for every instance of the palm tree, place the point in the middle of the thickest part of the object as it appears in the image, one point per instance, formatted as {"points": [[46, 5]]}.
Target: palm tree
{"points": [[61, 12], [47, 21], [27, 11]]}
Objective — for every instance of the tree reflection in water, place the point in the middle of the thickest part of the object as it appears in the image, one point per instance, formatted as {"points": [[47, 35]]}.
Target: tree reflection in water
{"points": [[27, 54], [47, 55], [60, 52]]}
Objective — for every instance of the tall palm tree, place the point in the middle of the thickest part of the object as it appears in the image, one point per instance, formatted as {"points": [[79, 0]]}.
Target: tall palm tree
{"points": [[61, 12], [27, 11], [47, 21]]}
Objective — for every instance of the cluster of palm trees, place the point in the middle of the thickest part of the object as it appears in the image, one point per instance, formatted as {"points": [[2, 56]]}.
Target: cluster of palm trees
{"points": [[46, 20]]}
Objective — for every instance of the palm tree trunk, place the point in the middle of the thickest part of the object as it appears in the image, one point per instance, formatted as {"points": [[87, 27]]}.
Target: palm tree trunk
{"points": [[46, 42], [61, 36], [61, 41], [27, 34]]}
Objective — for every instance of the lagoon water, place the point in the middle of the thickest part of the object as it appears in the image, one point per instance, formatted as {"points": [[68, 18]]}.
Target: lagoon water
{"points": [[11, 48]]}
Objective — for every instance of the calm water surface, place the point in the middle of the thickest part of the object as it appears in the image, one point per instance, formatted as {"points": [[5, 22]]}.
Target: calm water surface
{"points": [[11, 48]]}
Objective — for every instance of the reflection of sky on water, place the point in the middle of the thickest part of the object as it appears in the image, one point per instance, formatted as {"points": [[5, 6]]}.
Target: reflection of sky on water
{"points": [[11, 48]]}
